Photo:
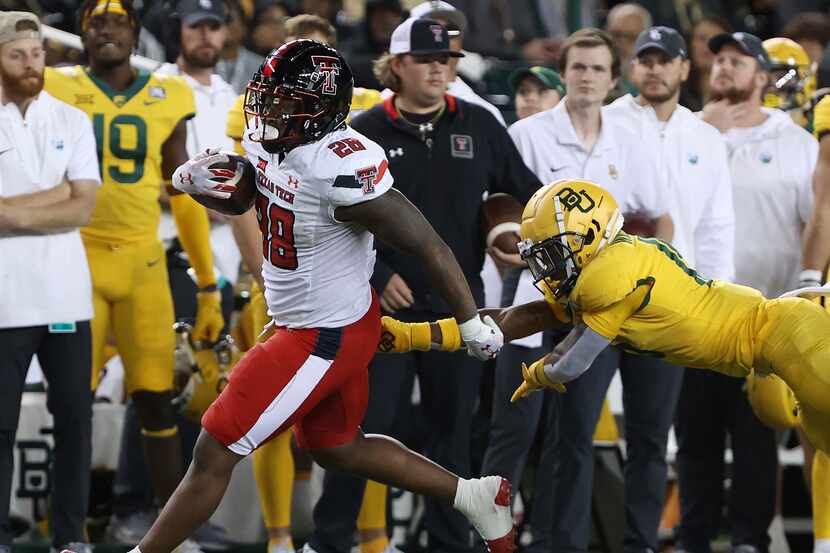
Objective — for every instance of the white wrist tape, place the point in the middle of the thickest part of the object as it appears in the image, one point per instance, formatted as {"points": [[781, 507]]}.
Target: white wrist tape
{"points": [[811, 275], [470, 329], [501, 228]]}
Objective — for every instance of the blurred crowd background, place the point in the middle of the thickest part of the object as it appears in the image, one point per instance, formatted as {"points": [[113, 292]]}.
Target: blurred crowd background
{"points": [[499, 36]]}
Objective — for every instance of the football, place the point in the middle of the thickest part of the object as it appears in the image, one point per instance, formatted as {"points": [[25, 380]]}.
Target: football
{"points": [[640, 225], [236, 170], [500, 218]]}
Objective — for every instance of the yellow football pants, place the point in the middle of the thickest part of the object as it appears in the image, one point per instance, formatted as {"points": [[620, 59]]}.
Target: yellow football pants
{"points": [[132, 301], [794, 342]]}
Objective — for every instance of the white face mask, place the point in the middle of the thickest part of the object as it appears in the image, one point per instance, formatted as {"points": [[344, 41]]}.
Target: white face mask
{"points": [[259, 132]]}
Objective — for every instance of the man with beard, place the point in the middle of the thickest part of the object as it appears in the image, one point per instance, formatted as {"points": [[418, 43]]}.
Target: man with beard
{"points": [[201, 27], [198, 29], [771, 162], [48, 179], [139, 121], [692, 162]]}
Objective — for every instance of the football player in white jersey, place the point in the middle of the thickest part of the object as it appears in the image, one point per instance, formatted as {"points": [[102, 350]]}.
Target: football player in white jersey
{"points": [[323, 192]]}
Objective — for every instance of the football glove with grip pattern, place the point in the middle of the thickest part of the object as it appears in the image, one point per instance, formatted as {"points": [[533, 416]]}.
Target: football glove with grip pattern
{"points": [[195, 176]]}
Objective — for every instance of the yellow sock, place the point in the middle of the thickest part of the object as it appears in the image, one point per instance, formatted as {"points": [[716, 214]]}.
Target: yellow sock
{"points": [[377, 545], [821, 495], [373, 517], [373, 509], [274, 474]]}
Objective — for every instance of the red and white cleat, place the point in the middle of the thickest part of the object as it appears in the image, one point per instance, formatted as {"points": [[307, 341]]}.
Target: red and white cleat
{"points": [[486, 503]]}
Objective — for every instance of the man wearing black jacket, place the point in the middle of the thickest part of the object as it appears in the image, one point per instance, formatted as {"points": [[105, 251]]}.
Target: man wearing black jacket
{"points": [[445, 155]]}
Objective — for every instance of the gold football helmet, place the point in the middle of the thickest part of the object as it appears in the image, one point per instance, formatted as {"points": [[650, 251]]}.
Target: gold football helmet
{"points": [[201, 372], [772, 401], [564, 226], [793, 78]]}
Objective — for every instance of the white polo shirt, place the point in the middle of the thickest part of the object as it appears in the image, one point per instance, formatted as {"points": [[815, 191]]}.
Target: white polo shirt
{"points": [[44, 279], [772, 172], [549, 146], [207, 130], [692, 162]]}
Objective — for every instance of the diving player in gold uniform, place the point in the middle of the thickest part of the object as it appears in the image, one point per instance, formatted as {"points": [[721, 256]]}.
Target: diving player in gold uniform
{"points": [[639, 294], [139, 122]]}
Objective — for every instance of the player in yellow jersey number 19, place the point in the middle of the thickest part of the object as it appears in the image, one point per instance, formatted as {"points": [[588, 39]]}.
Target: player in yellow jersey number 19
{"points": [[639, 294], [139, 122]]}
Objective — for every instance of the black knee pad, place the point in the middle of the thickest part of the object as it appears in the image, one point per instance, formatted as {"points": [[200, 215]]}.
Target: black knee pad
{"points": [[155, 410]]}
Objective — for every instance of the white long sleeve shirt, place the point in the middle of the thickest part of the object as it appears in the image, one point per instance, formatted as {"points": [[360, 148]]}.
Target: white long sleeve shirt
{"points": [[692, 162], [772, 169]]}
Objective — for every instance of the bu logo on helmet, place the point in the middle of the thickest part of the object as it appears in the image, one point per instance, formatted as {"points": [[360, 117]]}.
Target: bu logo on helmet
{"points": [[573, 199], [327, 68]]}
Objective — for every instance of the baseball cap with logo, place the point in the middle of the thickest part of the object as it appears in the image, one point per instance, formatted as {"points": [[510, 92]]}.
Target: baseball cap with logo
{"points": [[747, 43], [548, 77], [421, 37], [196, 11], [438, 9], [665, 39], [17, 25]]}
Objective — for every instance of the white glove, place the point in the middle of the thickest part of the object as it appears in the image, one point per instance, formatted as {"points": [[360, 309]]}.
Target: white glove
{"points": [[196, 176], [483, 339]]}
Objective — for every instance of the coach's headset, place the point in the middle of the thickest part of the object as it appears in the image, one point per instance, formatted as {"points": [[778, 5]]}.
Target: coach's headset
{"points": [[172, 24]]}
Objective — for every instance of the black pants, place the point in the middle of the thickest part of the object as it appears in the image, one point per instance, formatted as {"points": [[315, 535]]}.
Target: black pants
{"points": [[711, 406], [66, 360], [650, 391], [513, 428], [449, 392]]}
